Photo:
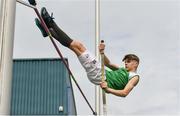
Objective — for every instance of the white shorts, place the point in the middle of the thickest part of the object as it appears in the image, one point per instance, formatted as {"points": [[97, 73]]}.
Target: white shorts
{"points": [[92, 67]]}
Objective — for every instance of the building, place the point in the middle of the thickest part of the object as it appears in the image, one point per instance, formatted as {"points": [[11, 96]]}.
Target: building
{"points": [[41, 87]]}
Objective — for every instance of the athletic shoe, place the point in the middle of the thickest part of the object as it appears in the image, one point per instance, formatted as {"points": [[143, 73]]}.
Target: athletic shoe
{"points": [[47, 18], [41, 28]]}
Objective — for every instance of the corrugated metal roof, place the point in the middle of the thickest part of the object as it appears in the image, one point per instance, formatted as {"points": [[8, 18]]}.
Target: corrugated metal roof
{"points": [[40, 87]]}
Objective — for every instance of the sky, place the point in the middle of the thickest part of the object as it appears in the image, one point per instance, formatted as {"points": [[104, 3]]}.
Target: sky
{"points": [[148, 28]]}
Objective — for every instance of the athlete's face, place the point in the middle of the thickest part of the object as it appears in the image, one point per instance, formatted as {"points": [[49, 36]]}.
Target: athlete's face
{"points": [[130, 65]]}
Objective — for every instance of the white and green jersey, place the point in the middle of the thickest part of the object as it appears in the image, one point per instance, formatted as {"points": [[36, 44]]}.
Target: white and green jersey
{"points": [[119, 78]]}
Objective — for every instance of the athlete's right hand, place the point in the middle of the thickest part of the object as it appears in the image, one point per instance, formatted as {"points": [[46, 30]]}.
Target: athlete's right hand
{"points": [[101, 48]]}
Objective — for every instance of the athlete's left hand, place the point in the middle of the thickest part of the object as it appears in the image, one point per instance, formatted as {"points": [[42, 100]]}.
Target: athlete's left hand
{"points": [[104, 85]]}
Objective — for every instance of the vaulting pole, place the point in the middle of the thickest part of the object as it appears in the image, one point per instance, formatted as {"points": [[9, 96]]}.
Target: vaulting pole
{"points": [[97, 41], [103, 79], [7, 21]]}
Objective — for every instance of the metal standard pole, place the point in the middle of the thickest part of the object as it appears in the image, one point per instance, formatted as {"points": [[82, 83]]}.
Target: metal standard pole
{"points": [[97, 41], [7, 21]]}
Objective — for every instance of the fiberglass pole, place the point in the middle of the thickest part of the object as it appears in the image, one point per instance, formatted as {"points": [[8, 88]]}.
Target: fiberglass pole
{"points": [[7, 21]]}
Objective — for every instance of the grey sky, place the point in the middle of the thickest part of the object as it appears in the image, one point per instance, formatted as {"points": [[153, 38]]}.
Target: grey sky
{"points": [[148, 28]]}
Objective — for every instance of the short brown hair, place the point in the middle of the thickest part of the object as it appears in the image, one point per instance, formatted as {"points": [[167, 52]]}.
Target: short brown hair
{"points": [[131, 57]]}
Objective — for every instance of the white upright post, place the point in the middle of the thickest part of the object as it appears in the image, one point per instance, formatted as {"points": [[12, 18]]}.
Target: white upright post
{"points": [[97, 41], [7, 21]]}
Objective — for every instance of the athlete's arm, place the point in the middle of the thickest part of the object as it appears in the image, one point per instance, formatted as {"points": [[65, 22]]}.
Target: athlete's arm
{"points": [[106, 59], [109, 64], [121, 93]]}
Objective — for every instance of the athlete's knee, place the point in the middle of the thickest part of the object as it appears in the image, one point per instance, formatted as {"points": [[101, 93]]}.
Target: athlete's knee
{"points": [[76, 44]]}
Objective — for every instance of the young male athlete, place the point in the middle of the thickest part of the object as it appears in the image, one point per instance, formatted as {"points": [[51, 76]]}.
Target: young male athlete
{"points": [[118, 81]]}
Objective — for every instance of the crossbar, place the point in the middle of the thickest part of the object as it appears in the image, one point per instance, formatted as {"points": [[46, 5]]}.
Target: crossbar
{"points": [[26, 4]]}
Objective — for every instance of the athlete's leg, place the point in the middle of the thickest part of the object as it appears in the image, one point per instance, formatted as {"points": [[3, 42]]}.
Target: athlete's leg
{"points": [[63, 38], [60, 36], [77, 47]]}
